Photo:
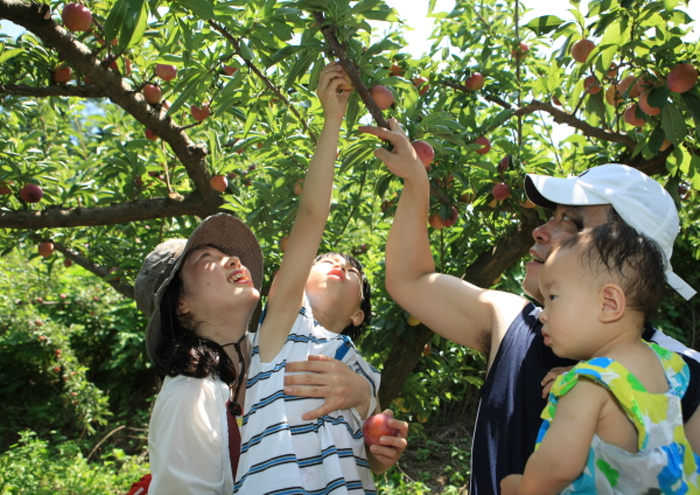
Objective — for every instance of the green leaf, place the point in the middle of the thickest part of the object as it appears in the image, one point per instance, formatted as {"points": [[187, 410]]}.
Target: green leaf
{"points": [[246, 52], [545, 24], [127, 21], [669, 5], [300, 67], [692, 102], [673, 124], [8, 54], [200, 8]]}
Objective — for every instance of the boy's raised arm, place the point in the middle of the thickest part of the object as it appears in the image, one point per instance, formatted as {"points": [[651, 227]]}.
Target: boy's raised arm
{"points": [[286, 292]]}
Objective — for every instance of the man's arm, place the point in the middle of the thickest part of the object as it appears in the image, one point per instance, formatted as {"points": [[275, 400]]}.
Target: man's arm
{"points": [[453, 308]]}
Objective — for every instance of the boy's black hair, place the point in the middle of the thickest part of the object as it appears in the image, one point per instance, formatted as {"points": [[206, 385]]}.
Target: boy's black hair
{"points": [[635, 260], [351, 330]]}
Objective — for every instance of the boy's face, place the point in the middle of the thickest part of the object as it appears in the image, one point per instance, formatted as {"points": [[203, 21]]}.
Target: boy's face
{"points": [[334, 280], [571, 303], [565, 222]]}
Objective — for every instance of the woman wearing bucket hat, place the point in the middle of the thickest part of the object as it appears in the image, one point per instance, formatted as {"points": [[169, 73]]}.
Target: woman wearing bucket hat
{"points": [[200, 294], [504, 326]]}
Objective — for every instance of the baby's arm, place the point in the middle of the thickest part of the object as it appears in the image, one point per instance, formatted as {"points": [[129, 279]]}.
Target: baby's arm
{"points": [[287, 290], [563, 452]]}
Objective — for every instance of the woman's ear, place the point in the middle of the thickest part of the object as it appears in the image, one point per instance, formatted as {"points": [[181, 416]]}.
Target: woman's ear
{"points": [[183, 306], [613, 303], [358, 318]]}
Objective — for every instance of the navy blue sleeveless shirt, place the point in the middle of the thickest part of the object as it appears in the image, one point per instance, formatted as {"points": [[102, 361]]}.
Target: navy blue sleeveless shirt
{"points": [[511, 402]]}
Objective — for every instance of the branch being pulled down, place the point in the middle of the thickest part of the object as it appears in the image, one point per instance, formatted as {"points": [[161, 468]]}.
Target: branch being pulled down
{"points": [[328, 32], [237, 48]]}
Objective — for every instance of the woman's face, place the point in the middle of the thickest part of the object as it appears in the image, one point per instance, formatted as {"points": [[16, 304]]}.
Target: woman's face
{"points": [[215, 285]]}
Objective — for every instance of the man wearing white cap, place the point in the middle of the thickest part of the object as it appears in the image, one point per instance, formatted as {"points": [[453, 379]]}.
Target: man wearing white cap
{"points": [[504, 326]]}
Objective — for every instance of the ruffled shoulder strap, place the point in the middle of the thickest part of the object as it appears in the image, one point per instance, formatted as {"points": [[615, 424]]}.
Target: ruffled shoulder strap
{"points": [[611, 375]]}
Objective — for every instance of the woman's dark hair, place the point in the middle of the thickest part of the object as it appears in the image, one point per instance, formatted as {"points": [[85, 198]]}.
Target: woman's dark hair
{"points": [[180, 351], [636, 261], [351, 330]]}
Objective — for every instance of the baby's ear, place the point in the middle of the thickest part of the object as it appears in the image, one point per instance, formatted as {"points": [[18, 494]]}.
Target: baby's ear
{"points": [[613, 303]]}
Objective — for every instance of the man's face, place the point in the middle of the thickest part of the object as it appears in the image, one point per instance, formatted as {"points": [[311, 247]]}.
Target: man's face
{"points": [[565, 222]]}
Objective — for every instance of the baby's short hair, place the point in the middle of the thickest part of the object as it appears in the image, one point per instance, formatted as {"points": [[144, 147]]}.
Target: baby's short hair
{"points": [[634, 261]]}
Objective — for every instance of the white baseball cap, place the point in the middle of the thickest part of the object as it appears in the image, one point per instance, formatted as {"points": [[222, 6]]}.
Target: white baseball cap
{"points": [[638, 199]]}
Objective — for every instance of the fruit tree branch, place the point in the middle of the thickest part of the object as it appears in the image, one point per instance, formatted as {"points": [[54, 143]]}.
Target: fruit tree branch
{"points": [[131, 211], [328, 32], [561, 117], [87, 91], [124, 289], [37, 19]]}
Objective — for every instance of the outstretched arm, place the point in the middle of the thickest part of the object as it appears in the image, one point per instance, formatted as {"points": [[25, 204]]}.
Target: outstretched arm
{"points": [[455, 309], [287, 290]]}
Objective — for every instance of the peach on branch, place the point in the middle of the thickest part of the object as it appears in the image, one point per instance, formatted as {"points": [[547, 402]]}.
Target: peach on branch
{"points": [[395, 70], [628, 87], [435, 221], [151, 136], [454, 215], [520, 51], [45, 249], [425, 152], [646, 107], [421, 83], [474, 82], [631, 116], [682, 78], [581, 50], [166, 72], [501, 191], [199, 114], [31, 193], [592, 85], [76, 17], [152, 93], [382, 96], [230, 70], [485, 145], [62, 74], [219, 183], [613, 96]]}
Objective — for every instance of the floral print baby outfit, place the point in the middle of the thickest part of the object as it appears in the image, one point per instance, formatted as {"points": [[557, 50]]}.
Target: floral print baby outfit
{"points": [[665, 463]]}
